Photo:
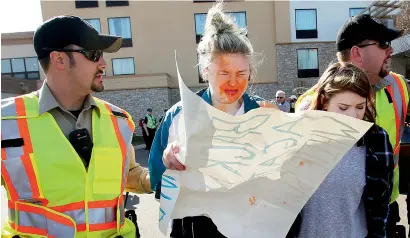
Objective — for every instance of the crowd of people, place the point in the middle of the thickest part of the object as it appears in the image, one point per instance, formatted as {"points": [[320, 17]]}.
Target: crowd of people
{"points": [[74, 188]]}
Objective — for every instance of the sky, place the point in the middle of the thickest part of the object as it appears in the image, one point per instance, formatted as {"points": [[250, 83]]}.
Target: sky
{"points": [[20, 15]]}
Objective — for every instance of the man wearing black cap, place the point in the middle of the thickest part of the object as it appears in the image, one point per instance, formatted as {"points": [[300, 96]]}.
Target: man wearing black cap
{"points": [[366, 43], [66, 155]]}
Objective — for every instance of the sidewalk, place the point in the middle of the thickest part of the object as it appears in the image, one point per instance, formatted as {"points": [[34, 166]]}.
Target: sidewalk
{"points": [[139, 147]]}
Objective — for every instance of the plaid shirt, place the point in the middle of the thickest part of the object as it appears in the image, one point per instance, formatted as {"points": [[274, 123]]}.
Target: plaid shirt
{"points": [[379, 183]]}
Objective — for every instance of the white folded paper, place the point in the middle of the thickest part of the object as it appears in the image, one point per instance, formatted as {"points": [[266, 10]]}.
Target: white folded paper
{"points": [[251, 174]]}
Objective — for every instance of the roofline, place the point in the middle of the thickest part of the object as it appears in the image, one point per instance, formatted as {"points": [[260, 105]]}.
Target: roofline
{"points": [[17, 35]]}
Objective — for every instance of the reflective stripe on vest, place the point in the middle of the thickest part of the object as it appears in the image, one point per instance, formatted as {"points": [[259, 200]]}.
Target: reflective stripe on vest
{"points": [[387, 114], [20, 179], [389, 117], [124, 129], [404, 99], [16, 167], [102, 214], [38, 220]]}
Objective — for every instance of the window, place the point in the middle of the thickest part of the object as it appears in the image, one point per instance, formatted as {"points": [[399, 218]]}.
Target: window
{"points": [[95, 23], [306, 25], [355, 11], [85, 3], [121, 26], [388, 22], [201, 80], [240, 18], [116, 3], [5, 66], [124, 66], [22, 68], [200, 18], [308, 64]]}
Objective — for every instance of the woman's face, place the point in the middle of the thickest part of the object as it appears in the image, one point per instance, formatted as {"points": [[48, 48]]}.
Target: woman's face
{"points": [[347, 103], [228, 76]]}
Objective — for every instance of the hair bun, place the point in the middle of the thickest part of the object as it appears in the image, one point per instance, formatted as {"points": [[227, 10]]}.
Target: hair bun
{"points": [[217, 22]]}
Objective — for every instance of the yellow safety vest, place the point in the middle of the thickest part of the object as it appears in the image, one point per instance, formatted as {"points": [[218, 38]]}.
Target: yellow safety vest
{"points": [[391, 108], [152, 122], [50, 193]]}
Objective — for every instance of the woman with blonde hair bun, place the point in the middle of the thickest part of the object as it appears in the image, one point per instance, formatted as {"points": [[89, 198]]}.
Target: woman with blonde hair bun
{"points": [[226, 61]]}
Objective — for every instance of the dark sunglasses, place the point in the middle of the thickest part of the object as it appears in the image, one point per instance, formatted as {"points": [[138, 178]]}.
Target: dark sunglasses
{"points": [[383, 45], [92, 55], [279, 97]]}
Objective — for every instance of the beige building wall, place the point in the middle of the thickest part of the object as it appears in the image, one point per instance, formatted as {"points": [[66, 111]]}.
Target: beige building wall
{"points": [[159, 28], [282, 22]]}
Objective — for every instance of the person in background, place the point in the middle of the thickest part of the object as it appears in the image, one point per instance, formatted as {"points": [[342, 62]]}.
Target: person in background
{"points": [[281, 102], [226, 61], [353, 200], [162, 117], [143, 132], [292, 100], [150, 127]]}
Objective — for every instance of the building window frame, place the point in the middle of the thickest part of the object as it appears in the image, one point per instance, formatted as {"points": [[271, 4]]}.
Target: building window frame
{"points": [[117, 3], [99, 22], [200, 79], [308, 73], [126, 42], [355, 8], [133, 65], [25, 72], [308, 33], [85, 4], [199, 36]]}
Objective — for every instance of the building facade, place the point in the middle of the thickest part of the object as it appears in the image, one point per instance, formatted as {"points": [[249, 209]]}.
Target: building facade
{"points": [[310, 46], [20, 72], [296, 41], [142, 74]]}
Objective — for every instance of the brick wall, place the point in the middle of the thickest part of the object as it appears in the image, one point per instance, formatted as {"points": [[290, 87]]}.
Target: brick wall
{"points": [[137, 101], [287, 64]]}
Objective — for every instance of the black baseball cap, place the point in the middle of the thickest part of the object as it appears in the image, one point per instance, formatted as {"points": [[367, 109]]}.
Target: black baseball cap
{"points": [[61, 31], [363, 27]]}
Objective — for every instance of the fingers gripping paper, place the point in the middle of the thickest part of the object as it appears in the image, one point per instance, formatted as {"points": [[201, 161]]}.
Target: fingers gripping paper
{"points": [[251, 174]]}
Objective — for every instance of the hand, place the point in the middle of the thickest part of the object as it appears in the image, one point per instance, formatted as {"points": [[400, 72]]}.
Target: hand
{"points": [[147, 133], [267, 104], [170, 157]]}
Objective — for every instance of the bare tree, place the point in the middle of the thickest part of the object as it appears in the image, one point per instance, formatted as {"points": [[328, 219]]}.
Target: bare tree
{"points": [[403, 19]]}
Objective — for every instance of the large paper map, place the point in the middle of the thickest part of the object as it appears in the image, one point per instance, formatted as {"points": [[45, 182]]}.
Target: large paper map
{"points": [[251, 174]]}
